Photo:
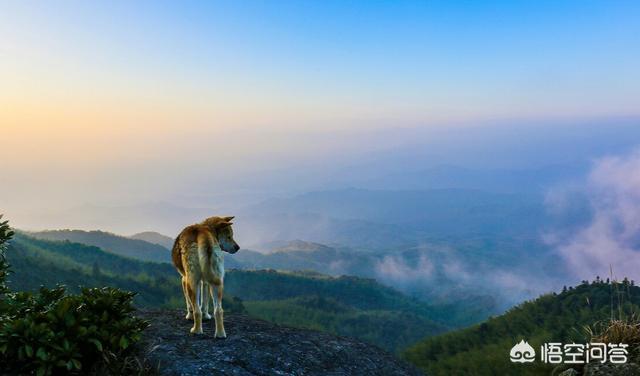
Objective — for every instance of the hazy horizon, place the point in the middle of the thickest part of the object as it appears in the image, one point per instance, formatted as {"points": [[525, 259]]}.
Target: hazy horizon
{"points": [[387, 159]]}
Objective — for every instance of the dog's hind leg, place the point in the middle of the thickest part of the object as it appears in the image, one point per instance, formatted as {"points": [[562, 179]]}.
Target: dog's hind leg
{"points": [[217, 311], [186, 298], [205, 301], [193, 290]]}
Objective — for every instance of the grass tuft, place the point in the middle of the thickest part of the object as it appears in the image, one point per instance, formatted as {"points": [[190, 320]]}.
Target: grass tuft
{"points": [[618, 331]]}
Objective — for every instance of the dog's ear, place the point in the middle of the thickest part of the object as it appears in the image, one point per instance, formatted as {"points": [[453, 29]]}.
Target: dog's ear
{"points": [[223, 225], [228, 219]]}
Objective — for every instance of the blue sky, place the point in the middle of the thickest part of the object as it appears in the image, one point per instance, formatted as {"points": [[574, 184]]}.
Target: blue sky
{"points": [[270, 82], [404, 61]]}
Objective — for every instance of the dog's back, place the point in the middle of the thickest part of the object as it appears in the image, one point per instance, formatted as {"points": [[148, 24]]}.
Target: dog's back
{"points": [[186, 246]]}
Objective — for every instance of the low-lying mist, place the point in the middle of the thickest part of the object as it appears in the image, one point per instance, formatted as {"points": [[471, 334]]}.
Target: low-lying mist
{"points": [[610, 239]]}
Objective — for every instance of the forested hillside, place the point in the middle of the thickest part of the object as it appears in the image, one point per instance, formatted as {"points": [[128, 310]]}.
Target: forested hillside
{"points": [[352, 306], [36, 262], [465, 302], [129, 247], [346, 305], [457, 273], [484, 349]]}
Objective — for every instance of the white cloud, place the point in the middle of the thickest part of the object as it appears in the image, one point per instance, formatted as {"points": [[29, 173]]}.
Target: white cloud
{"points": [[399, 270], [612, 237]]}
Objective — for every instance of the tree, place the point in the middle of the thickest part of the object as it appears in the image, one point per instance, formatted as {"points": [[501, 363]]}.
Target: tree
{"points": [[5, 236]]}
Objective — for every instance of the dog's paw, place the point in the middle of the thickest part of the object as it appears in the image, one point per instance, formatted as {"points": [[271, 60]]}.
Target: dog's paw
{"points": [[189, 316], [196, 330], [206, 316], [221, 335]]}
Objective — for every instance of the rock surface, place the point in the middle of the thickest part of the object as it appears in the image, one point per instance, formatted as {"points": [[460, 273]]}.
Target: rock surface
{"points": [[256, 347], [606, 369], [627, 369]]}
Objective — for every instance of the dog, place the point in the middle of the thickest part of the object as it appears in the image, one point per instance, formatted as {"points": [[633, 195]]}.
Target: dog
{"points": [[197, 255]]}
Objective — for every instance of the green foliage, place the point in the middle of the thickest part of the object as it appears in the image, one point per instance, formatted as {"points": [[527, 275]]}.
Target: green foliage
{"points": [[52, 332], [483, 349]]}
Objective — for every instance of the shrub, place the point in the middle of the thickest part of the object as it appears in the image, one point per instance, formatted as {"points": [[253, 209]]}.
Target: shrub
{"points": [[51, 332]]}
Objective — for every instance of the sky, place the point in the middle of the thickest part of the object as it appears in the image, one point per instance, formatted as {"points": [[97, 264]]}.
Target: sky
{"points": [[125, 101]]}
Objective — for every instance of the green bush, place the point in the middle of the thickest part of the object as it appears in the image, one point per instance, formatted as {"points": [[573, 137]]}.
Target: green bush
{"points": [[51, 332]]}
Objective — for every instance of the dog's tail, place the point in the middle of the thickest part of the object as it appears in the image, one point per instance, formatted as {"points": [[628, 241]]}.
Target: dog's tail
{"points": [[205, 243], [176, 255]]}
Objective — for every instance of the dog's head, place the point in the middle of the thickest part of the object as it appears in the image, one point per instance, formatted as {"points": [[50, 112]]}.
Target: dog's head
{"points": [[222, 228]]}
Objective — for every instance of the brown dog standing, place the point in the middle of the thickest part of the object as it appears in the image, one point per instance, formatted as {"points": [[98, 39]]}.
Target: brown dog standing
{"points": [[197, 254]]}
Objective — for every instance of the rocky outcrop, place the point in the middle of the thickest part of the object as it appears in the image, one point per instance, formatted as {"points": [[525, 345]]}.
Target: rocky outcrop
{"points": [[256, 347], [606, 369], [628, 369]]}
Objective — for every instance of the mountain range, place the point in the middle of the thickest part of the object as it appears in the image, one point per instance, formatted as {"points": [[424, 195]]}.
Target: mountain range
{"points": [[342, 305], [443, 271], [428, 335]]}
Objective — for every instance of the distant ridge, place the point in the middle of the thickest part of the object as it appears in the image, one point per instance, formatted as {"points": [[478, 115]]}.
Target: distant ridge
{"points": [[155, 238], [296, 245], [120, 245]]}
